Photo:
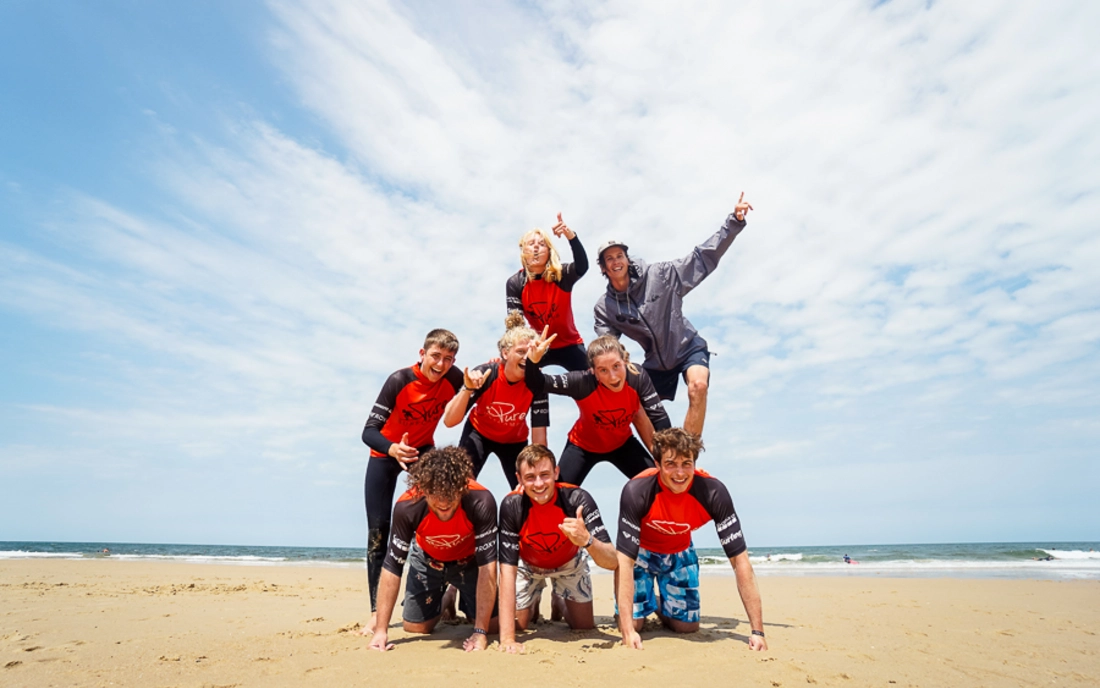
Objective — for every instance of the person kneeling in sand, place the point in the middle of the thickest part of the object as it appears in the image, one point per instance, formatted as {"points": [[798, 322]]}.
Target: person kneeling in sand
{"points": [[545, 529], [659, 509], [446, 526]]}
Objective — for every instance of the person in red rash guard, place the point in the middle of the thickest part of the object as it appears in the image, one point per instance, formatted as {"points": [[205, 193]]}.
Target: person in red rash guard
{"points": [[501, 402], [658, 511], [545, 529], [543, 291], [401, 426], [612, 396], [445, 526]]}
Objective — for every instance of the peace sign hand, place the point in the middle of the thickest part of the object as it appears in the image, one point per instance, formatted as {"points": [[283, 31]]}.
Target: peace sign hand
{"points": [[563, 229], [741, 208], [540, 345]]}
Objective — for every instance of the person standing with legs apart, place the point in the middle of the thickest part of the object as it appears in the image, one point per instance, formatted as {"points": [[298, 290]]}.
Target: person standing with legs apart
{"points": [[645, 302]]}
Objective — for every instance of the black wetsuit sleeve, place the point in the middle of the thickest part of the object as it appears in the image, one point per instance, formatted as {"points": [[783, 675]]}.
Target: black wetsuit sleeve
{"points": [[511, 522], [380, 413], [647, 396], [454, 376], [481, 509], [593, 521], [513, 292], [490, 368], [571, 273], [540, 411], [407, 515], [637, 498], [715, 498], [575, 384]]}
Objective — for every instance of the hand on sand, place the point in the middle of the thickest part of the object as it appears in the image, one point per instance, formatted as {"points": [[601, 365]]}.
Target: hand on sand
{"points": [[379, 642], [513, 648], [475, 643]]}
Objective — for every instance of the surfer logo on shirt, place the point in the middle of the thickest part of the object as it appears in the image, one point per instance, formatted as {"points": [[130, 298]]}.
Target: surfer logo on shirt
{"points": [[424, 411], [612, 418], [670, 527], [540, 312], [444, 541], [504, 413], [544, 542]]}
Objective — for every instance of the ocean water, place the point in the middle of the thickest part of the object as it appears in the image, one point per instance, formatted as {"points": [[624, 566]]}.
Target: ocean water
{"points": [[1041, 560]]}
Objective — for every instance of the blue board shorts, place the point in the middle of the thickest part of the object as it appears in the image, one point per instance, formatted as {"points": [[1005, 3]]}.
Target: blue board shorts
{"points": [[677, 579], [666, 381]]}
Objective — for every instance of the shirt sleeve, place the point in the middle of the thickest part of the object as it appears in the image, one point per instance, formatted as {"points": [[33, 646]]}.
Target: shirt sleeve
{"points": [[513, 293], [540, 410], [571, 273], [407, 515], [593, 521], [715, 498], [481, 508], [380, 413], [572, 384], [633, 506], [693, 268], [602, 322], [511, 521], [651, 402]]}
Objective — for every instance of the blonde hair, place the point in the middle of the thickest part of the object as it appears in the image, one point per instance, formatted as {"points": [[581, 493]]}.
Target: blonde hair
{"points": [[516, 330], [553, 265], [608, 344]]}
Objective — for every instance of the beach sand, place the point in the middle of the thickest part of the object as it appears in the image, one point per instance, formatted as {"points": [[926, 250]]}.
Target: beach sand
{"points": [[126, 623]]}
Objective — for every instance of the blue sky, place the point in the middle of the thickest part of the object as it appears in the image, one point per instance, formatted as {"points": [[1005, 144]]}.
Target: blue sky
{"points": [[225, 223]]}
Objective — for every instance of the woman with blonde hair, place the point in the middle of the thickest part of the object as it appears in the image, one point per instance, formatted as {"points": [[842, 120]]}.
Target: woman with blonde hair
{"points": [[543, 291], [612, 396], [501, 402]]}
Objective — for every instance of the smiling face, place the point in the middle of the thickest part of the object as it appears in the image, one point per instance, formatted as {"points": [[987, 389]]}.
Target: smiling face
{"points": [[536, 252], [538, 481], [676, 471], [435, 362], [515, 360], [444, 508], [610, 370], [615, 266]]}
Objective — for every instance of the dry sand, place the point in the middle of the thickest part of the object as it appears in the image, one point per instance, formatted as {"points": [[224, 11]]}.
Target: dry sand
{"points": [[101, 623]]}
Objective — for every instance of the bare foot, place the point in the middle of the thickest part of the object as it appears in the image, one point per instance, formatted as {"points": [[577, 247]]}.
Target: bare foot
{"points": [[449, 611], [367, 630]]}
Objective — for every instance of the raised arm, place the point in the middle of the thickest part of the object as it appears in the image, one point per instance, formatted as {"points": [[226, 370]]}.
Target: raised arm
{"points": [[693, 268], [472, 381], [580, 258]]}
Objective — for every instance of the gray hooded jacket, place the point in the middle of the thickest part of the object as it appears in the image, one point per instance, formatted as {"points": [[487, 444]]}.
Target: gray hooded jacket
{"points": [[655, 301]]}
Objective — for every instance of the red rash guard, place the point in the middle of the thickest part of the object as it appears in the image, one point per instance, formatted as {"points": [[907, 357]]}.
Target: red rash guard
{"points": [[605, 418], [471, 532], [651, 516], [411, 403], [550, 303], [500, 408], [531, 531]]}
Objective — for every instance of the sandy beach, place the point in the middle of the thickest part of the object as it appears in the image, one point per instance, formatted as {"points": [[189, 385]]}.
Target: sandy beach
{"points": [[103, 623]]}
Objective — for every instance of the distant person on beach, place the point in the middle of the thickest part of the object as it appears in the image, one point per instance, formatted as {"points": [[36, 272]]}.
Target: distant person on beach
{"points": [[645, 302], [445, 525], [400, 428], [501, 403], [658, 511], [612, 396], [546, 527], [543, 291], [847, 559]]}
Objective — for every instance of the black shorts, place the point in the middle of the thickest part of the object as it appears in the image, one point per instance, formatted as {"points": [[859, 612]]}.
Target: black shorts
{"points": [[428, 580], [665, 381]]}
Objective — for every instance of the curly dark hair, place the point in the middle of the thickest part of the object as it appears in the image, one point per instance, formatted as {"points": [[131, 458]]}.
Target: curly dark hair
{"points": [[444, 472], [679, 442]]}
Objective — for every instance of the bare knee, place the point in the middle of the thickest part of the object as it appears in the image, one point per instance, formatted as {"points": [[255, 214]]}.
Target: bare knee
{"points": [[420, 626], [697, 389]]}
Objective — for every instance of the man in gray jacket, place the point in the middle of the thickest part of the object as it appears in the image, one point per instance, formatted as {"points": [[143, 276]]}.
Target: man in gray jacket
{"points": [[645, 302]]}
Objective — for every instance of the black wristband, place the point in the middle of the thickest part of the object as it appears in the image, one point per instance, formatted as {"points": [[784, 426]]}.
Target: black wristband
{"points": [[759, 633], [590, 539], [471, 390], [482, 631]]}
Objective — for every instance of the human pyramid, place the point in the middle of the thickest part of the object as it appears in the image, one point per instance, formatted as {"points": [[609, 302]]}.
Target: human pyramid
{"points": [[446, 526]]}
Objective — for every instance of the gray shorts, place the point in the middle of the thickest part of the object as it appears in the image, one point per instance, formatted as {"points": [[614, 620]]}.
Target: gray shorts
{"points": [[428, 580], [571, 581]]}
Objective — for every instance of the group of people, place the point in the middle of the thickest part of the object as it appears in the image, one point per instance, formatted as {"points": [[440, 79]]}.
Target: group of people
{"points": [[446, 526]]}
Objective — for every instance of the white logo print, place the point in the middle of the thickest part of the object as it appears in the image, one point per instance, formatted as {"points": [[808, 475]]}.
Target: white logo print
{"points": [[670, 527], [505, 413], [444, 541]]}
